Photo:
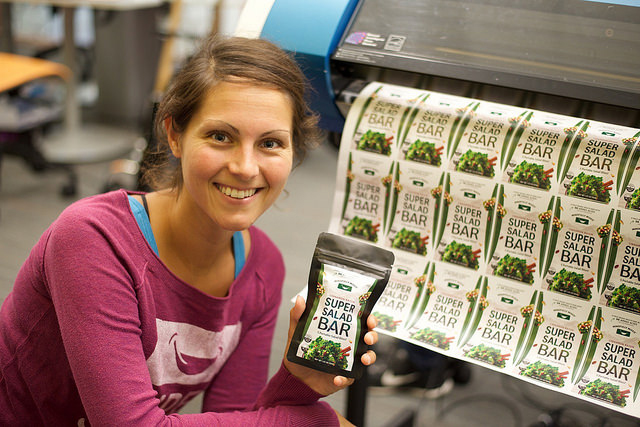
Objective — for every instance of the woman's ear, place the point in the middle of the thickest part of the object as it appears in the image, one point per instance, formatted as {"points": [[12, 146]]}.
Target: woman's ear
{"points": [[173, 137]]}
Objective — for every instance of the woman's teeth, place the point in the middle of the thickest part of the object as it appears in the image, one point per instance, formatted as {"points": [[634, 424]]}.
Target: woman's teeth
{"points": [[236, 194]]}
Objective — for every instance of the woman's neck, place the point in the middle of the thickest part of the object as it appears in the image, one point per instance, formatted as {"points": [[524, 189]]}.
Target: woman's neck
{"points": [[190, 244]]}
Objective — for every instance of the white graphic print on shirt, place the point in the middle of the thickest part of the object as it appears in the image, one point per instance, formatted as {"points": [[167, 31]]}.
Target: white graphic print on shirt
{"points": [[189, 355]]}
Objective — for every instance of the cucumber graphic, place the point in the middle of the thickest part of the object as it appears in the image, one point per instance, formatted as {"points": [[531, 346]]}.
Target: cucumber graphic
{"points": [[608, 250], [459, 125], [388, 182], [572, 141], [630, 158], [533, 319], [425, 289], [494, 221], [478, 298], [513, 137], [443, 200], [347, 187], [594, 338]]}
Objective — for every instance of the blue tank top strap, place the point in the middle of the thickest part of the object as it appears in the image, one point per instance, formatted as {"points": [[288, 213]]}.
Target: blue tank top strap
{"points": [[142, 218], [140, 214], [238, 251]]}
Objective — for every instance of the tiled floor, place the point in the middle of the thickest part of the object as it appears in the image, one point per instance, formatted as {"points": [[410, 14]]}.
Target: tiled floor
{"points": [[29, 202]]}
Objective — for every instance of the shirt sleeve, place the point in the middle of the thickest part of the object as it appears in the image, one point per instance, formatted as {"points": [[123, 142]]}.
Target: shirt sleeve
{"points": [[95, 301]]}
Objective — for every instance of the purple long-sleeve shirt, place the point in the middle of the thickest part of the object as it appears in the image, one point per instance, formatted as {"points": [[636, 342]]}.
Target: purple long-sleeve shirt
{"points": [[98, 331]]}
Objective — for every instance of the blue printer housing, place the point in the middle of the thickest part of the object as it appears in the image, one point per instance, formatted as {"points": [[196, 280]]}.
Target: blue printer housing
{"points": [[311, 30]]}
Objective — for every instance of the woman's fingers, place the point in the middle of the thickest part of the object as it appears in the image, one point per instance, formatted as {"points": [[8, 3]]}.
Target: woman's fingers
{"points": [[372, 322], [294, 315], [371, 337], [296, 311], [369, 358], [340, 381]]}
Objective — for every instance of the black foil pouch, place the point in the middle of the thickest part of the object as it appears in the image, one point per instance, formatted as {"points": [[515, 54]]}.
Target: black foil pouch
{"points": [[346, 279]]}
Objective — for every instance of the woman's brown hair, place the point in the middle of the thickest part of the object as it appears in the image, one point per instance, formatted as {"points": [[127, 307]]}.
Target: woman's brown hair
{"points": [[225, 59]]}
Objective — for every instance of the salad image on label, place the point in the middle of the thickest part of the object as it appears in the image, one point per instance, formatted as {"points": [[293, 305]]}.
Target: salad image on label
{"points": [[606, 391], [634, 200], [362, 228], [545, 372], [461, 254], [477, 163], [516, 268], [490, 355], [345, 281], [590, 187], [376, 142], [425, 152], [532, 174], [572, 283]]}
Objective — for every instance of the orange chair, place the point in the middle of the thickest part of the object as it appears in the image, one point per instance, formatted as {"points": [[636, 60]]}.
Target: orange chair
{"points": [[22, 125]]}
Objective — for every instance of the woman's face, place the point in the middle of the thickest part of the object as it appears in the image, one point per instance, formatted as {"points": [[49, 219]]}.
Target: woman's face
{"points": [[236, 152]]}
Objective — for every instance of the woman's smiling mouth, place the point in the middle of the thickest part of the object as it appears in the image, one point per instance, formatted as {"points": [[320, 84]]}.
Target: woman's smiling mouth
{"points": [[235, 193]]}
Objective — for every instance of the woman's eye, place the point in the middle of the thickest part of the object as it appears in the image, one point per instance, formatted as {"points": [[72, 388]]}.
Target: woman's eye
{"points": [[271, 143], [219, 137]]}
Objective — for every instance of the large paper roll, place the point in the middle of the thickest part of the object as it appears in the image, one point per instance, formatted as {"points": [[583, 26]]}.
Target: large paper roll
{"points": [[516, 234]]}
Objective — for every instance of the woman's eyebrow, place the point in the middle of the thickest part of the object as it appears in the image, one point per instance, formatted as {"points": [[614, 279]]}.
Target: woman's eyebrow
{"points": [[216, 122], [269, 132]]}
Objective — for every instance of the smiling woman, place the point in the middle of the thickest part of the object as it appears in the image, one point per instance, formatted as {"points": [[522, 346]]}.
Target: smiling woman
{"points": [[132, 303]]}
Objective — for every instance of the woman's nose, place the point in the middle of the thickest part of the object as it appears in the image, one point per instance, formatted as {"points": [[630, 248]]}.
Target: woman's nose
{"points": [[244, 161]]}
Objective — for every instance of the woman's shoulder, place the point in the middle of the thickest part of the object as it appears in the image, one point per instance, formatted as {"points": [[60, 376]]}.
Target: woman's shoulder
{"points": [[262, 243], [107, 212], [104, 203], [264, 253]]}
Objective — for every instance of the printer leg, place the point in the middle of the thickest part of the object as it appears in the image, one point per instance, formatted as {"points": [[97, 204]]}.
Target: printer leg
{"points": [[357, 400]]}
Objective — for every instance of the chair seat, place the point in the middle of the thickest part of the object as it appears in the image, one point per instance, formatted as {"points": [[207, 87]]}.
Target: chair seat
{"points": [[22, 120], [16, 70]]}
